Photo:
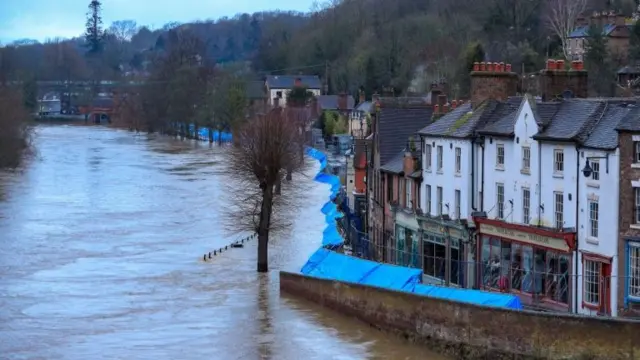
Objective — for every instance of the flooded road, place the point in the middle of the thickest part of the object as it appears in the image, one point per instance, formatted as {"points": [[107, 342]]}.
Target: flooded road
{"points": [[101, 239]]}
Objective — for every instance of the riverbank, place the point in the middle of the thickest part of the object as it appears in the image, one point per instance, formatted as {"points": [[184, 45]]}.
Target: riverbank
{"points": [[471, 332]]}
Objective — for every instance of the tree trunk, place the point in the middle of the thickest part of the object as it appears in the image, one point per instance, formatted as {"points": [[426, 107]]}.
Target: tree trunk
{"points": [[263, 228], [289, 174]]}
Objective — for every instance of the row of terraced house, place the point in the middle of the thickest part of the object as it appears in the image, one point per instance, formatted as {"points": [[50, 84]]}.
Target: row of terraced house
{"points": [[537, 196]]}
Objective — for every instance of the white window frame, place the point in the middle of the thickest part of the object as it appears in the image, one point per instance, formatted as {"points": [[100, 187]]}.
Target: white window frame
{"points": [[458, 153], [428, 199], [526, 205], [457, 200], [408, 194], [595, 171], [593, 218], [500, 156], [558, 209], [427, 157], [439, 160], [636, 209], [439, 200], [591, 273], [558, 161], [526, 158], [500, 200], [633, 282], [636, 152]]}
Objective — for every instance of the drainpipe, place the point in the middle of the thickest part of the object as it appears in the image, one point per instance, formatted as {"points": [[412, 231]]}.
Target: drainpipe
{"points": [[473, 173], [539, 183], [482, 179], [575, 260]]}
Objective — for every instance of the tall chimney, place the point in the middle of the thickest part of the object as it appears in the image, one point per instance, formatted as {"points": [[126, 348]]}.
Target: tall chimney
{"points": [[554, 82], [497, 84], [342, 101]]}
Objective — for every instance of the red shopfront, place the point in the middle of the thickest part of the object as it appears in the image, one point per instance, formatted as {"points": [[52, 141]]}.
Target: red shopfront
{"points": [[534, 263]]}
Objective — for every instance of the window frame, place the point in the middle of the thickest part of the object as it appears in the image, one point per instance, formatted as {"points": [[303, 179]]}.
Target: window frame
{"points": [[427, 157], [594, 216], [439, 199], [526, 158], [636, 209], [558, 162], [595, 171], [428, 198], [458, 155], [440, 158], [558, 209], [500, 196], [457, 202], [587, 301], [408, 194], [632, 285], [526, 210], [636, 152], [500, 156]]}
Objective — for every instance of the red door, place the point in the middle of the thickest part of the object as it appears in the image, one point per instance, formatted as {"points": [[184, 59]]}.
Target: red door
{"points": [[605, 306]]}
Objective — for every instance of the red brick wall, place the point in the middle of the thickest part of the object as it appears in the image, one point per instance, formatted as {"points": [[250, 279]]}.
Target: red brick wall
{"points": [[554, 82], [492, 85], [467, 331], [626, 214]]}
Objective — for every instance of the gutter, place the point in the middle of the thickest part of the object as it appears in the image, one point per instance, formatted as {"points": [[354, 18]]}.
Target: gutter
{"points": [[482, 179], [575, 260], [473, 173]]}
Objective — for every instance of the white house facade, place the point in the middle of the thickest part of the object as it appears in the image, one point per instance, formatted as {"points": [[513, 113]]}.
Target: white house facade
{"points": [[278, 86]]}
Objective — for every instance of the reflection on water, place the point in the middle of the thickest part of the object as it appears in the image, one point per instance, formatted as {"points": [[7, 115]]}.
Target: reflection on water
{"points": [[99, 258]]}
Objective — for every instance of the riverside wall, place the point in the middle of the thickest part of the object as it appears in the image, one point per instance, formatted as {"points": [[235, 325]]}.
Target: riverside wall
{"points": [[467, 331]]}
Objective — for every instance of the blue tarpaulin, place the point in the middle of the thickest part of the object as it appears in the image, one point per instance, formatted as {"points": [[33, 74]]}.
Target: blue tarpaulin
{"points": [[327, 264], [470, 296], [331, 236], [203, 133]]}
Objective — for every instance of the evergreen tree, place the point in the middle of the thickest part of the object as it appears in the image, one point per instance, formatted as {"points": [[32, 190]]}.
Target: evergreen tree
{"points": [[94, 34], [599, 63]]}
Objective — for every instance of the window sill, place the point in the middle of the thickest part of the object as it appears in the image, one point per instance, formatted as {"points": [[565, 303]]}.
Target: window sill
{"points": [[593, 184], [439, 172], [457, 174], [635, 165], [586, 305], [635, 226], [500, 168], [558, 175], [525, 172], [427, 170], [593, 241]]}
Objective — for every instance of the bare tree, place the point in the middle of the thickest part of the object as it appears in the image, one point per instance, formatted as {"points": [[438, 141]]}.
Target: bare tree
{"points": [[561, 18], [123, 30], [265, 149]]}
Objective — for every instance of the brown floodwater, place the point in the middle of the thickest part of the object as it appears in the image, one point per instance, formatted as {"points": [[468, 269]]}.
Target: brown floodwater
{"points": [[101, 241]]}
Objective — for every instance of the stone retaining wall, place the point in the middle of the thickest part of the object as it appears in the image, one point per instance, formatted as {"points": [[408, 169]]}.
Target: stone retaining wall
{"points": [[467, 331]]}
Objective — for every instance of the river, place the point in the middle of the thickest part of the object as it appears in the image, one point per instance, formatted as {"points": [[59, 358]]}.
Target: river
{"points": [[101, 243]]}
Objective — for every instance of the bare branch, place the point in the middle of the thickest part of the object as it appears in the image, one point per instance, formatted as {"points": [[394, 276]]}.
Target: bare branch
{"points": [[561, 18]]}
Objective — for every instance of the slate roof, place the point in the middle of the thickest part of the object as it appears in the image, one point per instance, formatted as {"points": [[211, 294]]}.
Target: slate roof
{"points": [[366, 106], [395, 165], [463, 122], [603, 134], [396, 124], [631, 121], [288, 81], [330, 102], [582, 31]]}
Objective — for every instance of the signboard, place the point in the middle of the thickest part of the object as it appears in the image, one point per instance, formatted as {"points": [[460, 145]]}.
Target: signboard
{"points": [[525, 237]]}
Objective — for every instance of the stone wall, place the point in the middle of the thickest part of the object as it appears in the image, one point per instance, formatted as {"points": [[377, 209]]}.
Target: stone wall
{"points": [[466, 331]]}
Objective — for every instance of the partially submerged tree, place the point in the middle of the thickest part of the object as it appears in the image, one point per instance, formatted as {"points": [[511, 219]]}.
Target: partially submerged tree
{"points": [[265, 149]]}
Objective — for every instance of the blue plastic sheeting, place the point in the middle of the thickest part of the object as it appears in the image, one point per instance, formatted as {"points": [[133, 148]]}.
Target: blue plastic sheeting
{"points": [[203, 134], [331, 236], [476, 297], [327, 264]]}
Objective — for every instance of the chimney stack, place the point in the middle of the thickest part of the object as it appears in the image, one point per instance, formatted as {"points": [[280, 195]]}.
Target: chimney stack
{"points": [[555, 80], [492, 81], [342, 101], [361, 96], [297, 82]]}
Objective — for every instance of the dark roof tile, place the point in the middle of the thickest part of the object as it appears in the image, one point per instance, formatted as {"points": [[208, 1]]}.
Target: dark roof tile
{"points": [[395, 165], [288, 81], [330, 102], [396, 124]]}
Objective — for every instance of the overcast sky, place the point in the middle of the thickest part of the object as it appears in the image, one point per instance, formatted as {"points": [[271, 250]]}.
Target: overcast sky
{"points": [[42, 19]]}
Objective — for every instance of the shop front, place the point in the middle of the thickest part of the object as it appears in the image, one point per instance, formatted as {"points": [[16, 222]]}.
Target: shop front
{"points": [[445, 248], [534, 263], [407, 235]]}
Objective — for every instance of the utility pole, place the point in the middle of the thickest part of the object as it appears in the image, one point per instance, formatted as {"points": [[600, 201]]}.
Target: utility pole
{"points": [[327, 70]]}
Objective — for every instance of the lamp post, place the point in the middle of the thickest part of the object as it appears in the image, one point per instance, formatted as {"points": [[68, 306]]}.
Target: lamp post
{"points": [[588, 170]]}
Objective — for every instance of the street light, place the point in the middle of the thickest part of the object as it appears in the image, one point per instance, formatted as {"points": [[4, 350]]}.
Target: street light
{"points": [[587, 170]]}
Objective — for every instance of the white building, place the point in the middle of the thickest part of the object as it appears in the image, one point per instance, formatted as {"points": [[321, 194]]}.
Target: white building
{"points": [[534, 193], [278, 86]]}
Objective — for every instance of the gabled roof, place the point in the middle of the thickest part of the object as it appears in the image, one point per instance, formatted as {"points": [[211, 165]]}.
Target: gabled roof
{"points": [[289, 81], [397, 123], [631, 121], [331, 102], [366, 106], [603, 134]]}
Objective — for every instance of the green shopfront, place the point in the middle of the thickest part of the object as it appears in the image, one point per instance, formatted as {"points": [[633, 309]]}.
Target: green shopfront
{"points": [[407, 235], [446, 251]]}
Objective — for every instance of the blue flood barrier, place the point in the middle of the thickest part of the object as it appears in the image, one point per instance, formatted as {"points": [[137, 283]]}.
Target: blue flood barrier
{"points": [[327, 264], [331, 236], [203, 133]]}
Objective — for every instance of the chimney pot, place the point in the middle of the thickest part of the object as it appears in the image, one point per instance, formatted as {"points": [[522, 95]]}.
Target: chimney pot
{"points": [[490, 67], [483, 66], [551, 64], [560, 65], [454, 104], [445, 108], [476, 66], [436, 109], [508, 67]]}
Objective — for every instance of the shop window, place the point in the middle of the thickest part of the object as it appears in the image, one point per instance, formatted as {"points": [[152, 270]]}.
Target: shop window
{"points": [[634, 271], [400, 242], [539, 272], [457, 264], [434, 256], [591, 282]]}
